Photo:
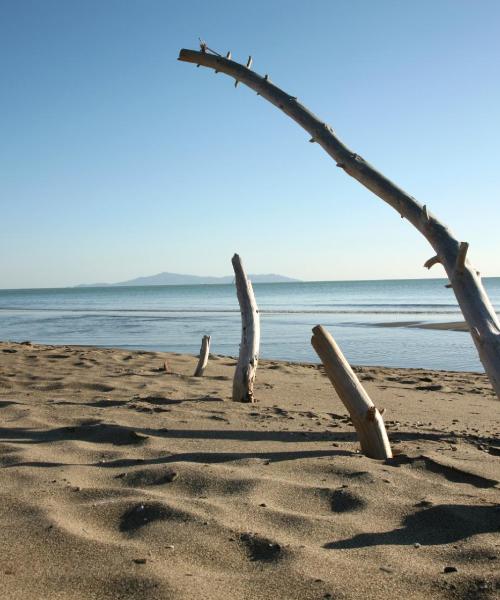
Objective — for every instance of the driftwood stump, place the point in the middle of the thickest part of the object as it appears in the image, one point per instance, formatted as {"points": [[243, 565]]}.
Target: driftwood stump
{"points": [[204, 353], [365, 416], [449, 251], [248, 359]]}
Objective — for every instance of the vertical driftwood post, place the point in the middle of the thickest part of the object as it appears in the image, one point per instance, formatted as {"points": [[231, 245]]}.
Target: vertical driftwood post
{"points": [[365, 416], [450, 252], [246, 368], [204, 352]]}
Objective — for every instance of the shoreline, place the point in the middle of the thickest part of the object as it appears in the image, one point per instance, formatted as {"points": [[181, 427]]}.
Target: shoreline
{"points": [[444, 326], [263, 362]]}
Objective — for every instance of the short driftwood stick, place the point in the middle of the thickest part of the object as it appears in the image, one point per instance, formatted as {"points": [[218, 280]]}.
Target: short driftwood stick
{"points": [[365, 417], [248, 359], [204, 352]]}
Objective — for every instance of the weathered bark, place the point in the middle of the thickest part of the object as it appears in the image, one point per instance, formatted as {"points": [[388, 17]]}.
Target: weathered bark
{"points": [[365, 417], [464, 279], [203, 360], [246, 368]]}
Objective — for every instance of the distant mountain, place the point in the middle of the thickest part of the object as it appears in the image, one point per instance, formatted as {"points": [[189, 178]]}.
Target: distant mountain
{"points": [[178, 279]]}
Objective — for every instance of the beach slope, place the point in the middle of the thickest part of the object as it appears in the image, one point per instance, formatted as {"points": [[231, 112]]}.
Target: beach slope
{"points": [[121, 480]]}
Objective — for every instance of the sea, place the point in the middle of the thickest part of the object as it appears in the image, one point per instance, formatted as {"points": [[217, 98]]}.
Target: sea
{"points": [[174, 319]]}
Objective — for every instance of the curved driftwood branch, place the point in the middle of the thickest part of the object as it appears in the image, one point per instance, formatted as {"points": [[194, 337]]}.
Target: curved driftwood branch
{"points": [[365, 416], [471, 296], [246, 368], [204, 353]]}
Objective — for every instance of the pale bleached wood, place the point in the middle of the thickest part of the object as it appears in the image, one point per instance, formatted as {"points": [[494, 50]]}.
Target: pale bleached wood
{"points": [[464, 279], [204, 353], [365, 416], [244, 375]]}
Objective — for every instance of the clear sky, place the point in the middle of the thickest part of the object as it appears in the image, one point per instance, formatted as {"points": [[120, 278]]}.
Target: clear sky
{"points": [[116, 160]]}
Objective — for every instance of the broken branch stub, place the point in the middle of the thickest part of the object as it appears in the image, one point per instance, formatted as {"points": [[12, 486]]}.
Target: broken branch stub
{"points": [[365, 416], [244, 375], [469, 291], [204, 353]]}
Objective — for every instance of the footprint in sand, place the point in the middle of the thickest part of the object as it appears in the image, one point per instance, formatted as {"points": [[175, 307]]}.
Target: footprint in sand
{"points": [[141, 515], [5, 403], [432, 387], [260, 548], [104, 403], [97, 387], [102, 433], [342, 501], [147, 477]]}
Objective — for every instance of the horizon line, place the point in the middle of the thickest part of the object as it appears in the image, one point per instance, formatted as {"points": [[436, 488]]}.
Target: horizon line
{"points": [[297, 281]]}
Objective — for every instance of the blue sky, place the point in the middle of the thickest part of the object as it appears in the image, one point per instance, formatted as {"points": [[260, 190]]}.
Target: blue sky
{"points": [[116, 160]]}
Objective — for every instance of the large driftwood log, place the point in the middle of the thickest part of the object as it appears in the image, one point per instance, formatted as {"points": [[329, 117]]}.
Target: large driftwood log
{"points": [[204, 353], [365, 417], [244, 375], [464, 279]]}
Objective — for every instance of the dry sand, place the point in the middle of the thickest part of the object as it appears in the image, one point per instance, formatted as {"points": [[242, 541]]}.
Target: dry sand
{"points": [[119, 480]]}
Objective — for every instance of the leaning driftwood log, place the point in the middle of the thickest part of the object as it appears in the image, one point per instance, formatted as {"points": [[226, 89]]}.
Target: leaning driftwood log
{"points": [[244, 375], [204, 353], [450, 252], [365, 416]]}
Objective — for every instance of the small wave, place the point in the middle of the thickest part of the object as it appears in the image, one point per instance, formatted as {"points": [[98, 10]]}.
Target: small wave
{"points": [[125, 312], [378, 305]]}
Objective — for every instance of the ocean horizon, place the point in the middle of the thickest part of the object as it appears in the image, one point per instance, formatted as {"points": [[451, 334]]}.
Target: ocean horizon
{"points": [[174, 318]]}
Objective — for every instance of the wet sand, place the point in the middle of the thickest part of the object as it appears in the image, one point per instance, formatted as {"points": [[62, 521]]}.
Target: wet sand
{"points": [[451, 326], [121, 480]]}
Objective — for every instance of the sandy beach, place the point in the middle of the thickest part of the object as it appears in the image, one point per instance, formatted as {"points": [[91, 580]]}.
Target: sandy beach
{"points": [[121, 480]]}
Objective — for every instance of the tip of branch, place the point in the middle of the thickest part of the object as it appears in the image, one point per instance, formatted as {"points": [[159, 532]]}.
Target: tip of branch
{"points": [[317, 329], [431, 262], [462, 253]]}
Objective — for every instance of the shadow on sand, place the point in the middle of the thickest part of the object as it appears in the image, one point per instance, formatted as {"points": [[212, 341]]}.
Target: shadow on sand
{"points": [[442, 524]]}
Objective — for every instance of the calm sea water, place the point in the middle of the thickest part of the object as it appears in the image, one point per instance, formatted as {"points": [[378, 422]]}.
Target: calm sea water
{"points": [[174, 318]]}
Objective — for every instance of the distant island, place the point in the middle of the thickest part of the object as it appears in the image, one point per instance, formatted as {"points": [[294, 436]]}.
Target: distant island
{"points": [[179, 279]]}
